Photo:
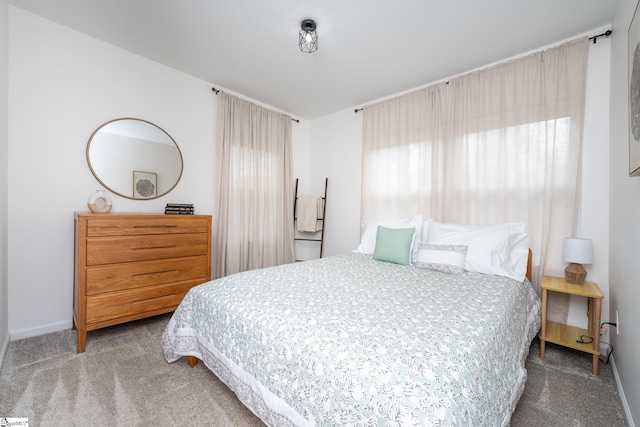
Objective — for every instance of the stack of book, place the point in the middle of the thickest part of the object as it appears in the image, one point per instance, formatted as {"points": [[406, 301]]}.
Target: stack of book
{"points": [[179, 209]]}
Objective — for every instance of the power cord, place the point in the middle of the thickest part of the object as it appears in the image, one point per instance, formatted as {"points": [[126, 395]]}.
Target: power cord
{"points": [[582, 339], [606, 361], [607, 323]]}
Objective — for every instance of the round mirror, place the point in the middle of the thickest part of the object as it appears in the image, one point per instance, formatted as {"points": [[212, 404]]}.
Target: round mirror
{"points": [[134, 158]]}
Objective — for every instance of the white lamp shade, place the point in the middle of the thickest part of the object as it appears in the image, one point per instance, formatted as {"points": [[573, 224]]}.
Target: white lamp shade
{"points": [[578, 251]]}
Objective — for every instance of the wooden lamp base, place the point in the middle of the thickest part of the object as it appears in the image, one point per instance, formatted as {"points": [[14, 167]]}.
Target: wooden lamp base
{"points": [[575, 273]]}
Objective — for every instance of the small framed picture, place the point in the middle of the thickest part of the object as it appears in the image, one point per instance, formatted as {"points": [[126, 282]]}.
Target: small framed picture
{"points": [[144, 185]]}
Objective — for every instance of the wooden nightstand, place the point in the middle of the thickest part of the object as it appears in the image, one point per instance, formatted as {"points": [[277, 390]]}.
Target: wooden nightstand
{"points": [[566, 335]]}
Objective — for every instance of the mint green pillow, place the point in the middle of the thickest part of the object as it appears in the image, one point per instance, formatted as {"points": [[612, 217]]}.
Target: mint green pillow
{"points": [[394, 245]]}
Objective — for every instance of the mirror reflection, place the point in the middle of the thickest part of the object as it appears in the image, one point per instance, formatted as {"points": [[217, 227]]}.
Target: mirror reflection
{"points": [[134, 158]]}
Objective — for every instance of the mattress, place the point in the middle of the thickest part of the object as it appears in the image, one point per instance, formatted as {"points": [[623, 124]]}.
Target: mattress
{"points": [[347, 340]]}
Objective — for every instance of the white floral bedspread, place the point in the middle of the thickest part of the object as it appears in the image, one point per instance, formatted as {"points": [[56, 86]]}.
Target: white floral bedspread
{"points": [[347, 340]]}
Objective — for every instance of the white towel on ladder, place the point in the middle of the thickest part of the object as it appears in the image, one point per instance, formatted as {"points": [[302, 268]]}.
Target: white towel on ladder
{"points": [[309, 214]]}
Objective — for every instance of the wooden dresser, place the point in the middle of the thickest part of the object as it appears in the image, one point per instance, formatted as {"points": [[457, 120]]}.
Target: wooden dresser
{"points": [[131, 266]]}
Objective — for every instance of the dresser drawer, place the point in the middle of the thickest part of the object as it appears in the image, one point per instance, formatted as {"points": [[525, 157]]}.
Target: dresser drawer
{"points": [[111, 250], [118, 277], [161, 224], [105, 307]]}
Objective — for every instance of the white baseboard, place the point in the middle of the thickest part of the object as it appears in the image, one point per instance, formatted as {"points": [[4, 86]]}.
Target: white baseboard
{"points": [[625, 404], [41, 330]]}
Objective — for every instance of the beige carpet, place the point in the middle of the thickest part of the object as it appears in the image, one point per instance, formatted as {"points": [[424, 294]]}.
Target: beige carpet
{"points": [[123, 380]]}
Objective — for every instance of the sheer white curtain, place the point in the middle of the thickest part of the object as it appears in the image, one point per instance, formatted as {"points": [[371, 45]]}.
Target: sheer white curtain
{"points": [[255, 206], [501, 144]]}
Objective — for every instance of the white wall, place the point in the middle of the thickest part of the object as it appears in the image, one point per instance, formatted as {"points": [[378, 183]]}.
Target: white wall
{"points": [[594, 212], [336, 149], [302, 172], [62, 86], [4, 107], [624, 226]]}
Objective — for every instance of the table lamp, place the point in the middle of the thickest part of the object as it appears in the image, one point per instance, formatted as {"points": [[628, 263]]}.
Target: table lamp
{"points": [[576, 252]]}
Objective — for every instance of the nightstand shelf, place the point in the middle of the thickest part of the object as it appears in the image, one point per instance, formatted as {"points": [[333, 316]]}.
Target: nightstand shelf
{"points": [[566, 335]]}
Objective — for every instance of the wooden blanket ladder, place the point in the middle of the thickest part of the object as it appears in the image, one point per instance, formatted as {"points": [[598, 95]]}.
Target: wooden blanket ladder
{"points": [[322, 218]]}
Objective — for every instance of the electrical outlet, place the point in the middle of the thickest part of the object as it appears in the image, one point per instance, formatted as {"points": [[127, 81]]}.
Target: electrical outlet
{"points": [[617, 323]]}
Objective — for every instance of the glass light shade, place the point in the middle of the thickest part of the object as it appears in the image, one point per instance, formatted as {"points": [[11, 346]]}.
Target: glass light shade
{"points": [[308, 37], [308, 41], [578, 251]]}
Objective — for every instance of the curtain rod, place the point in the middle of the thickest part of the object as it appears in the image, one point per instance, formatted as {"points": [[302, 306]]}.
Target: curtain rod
{"points": [[594, 38], [605, 34], [216, 91]]}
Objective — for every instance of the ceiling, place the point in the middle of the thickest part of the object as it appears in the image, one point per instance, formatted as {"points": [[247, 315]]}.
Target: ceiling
{"points": [[368, 49]]}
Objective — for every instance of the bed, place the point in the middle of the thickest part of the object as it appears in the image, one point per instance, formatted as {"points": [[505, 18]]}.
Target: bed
{"points": [[354, 340]]}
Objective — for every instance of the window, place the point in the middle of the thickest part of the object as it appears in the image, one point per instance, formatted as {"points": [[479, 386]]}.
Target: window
{"points": [[497, 145]]}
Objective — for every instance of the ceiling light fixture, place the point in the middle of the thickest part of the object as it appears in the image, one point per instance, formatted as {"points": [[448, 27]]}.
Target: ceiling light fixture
{"points": [[308, 41]]}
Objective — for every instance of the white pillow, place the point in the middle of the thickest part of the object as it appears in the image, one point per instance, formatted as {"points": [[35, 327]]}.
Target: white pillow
{"points": [[500, 249], [370, 230], [425, 230]]}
